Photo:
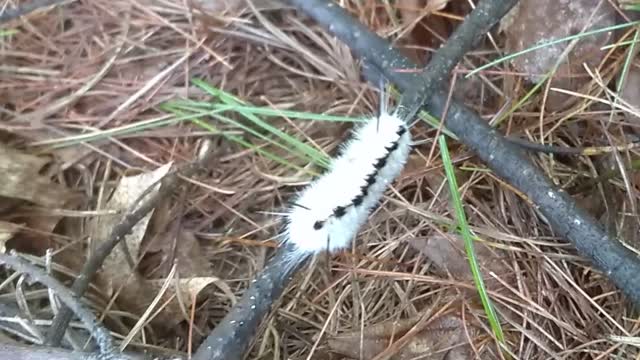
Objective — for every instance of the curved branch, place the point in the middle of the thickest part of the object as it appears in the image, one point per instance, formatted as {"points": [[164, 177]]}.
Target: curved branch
{"points": [[102, 336], [34, 352], [232, 337]]}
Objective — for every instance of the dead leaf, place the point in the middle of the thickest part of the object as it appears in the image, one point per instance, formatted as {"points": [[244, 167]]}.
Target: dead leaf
{"points": [[443, 338], [66, 155], [36, 233], [20, 179], [630, 93], [437, 183], [412, 9], [448, 255], [187, 253], [413, 13], [138, 293], [509, 18], [188, 290], [116, 268], [538, 21], [7, 230]]}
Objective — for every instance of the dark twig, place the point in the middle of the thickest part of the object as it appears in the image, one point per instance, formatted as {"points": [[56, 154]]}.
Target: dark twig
{"points": [[12, 311], [91, 266], [14, 13], [560, 150], [236, 331], [464, 39], [507, 160], [232, 337], [102, 336], [33, 352], [378, 52]]}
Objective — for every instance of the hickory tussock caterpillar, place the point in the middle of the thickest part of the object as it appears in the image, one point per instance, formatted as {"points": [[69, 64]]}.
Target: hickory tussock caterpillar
{"points": [[328, 213]]}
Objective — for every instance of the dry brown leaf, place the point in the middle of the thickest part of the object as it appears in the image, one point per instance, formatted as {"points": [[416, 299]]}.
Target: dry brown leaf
{"points": [[436, 181], [188, 289], [448, 254], [443, 338], [36, 235], [414, 12], [65, 155], [412, 9], [435, 5], [187, 253], [138, 294], [537, 21], [630, 93], [20, 179], [7, 230], [116, 269], [509, 18]]}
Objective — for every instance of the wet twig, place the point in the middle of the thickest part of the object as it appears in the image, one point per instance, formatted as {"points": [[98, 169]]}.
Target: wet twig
{"points": [[102, 336], [233, 336], [34, 352]]}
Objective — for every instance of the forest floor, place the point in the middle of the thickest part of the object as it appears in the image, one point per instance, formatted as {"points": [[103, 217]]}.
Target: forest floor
{"points": [[98, 97]]}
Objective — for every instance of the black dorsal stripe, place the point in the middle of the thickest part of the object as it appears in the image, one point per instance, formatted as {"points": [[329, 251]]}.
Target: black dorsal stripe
{"points": [[371, 179], [358, 200], [393, 147], [380, 163]]}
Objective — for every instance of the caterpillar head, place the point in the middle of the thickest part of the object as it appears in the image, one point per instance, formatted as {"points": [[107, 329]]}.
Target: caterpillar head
{"points": [[309, 232]]}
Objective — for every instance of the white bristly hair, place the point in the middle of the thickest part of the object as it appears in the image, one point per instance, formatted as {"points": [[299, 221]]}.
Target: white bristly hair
{"points": [[328, 213]]}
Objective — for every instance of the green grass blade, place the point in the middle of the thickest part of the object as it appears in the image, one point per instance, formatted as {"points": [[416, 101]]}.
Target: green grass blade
{"points": [[190, 105], [316, 155], [435, 123], [239, 140], [550, 43], [628, 61], [620, 44], [633, 5], [258, 134], [468, 241], [524, 99], [7, 32], [132, 128]]}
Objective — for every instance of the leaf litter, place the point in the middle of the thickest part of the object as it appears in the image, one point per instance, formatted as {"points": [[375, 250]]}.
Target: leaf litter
{"points": [[20, 178], [533, 22], [405, 263], [30, 199]]}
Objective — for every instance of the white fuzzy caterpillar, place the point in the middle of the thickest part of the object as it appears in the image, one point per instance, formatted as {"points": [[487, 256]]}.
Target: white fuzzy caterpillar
{"points": [[329, 212]]}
